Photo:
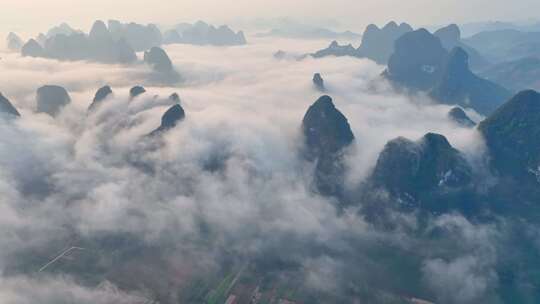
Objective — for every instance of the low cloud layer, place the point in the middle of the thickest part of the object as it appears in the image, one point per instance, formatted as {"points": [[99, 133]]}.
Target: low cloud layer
{"points": [[224, 189]]}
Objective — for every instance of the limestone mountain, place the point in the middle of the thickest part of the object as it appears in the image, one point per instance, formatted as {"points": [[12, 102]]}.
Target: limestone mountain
{"points": [[378, 43], [327, 134], [506, 44], [99, 31], [138, 36], [450, 37], [318, 82], [517, 75], [417, 171], [174, 98], [32, 49], [62, 29], [7, 107], [421, 63], [417, 61], [170, 119], [457, 115], [158, 59], [99, 45], [136, 91], [512, 135], [100, 96], [458, 85], [51, 99], [335, 49], [202, 33], [14, 42]]}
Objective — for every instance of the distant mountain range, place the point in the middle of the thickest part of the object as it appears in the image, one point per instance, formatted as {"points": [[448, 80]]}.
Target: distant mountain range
{"points": [[378, 44], [506, 45], [470, 29], [421, 63], [519, 74], [117, 42], [439, 63], [202, 33]]}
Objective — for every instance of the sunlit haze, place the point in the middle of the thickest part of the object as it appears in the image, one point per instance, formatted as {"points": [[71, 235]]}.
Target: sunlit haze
{"points": [[31, 15], [270, 152]]}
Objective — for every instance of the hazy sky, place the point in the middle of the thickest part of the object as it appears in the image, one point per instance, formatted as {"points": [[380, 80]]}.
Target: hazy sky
{"points": [[32, 15]]}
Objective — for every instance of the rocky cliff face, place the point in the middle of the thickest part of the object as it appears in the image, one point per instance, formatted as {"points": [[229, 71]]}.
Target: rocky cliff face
{"points": [[512, 135], [318, 82], [327, 134], [172, 117], [7, 108], [100, 96], [32, 49], [457, 115], [14, 42], [417, 61], [136, 91], [51, 99], [421, 63], [335, 49], [450, 37], [137, 36], [158, 59], [458, 85], [99, 45], [378, 44], [416, 172]]}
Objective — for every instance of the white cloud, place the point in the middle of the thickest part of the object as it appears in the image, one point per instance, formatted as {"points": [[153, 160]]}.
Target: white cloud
{"points": [[244, 110]]}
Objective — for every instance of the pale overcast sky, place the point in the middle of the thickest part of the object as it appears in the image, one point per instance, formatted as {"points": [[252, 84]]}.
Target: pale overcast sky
{"points": [[35, 15]]}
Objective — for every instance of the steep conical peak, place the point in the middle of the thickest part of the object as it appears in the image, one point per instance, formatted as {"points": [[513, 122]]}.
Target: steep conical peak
{"points": [[326, 129], [457, 84], [174, 97], [14, 42], [7, 107], [392, 25], [170, 119], [457, 115], [327, 133], [512, 135], [435, 141], [318, 82], [101, 95], [405, 27], [99, 30], [417, 60], [158, 59], [32, 49], [449, 34], [51, 99], [378, 44], [136, 91], [172, 116], [371, 28], [12, 35], [527, 100], [458, 61], [412, 170]]}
